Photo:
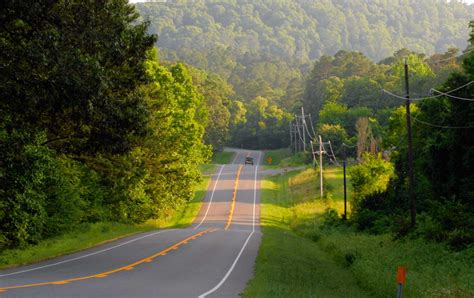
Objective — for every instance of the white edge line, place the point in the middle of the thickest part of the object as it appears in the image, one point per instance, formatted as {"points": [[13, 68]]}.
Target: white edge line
{"points": [[245, 244], [255, 191], [210, 200], [229, 271], [84, 256], [235, 157]]}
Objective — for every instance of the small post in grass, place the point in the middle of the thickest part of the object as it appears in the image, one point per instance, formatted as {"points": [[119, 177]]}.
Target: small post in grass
{"points": [[401, 278]]}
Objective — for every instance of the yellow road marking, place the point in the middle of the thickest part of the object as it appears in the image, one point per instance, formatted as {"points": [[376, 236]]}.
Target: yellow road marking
{"points": [[107, 273], [229, 220]]}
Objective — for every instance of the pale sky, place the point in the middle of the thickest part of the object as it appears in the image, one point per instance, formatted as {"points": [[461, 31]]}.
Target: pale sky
{"points": [[135, 1]]}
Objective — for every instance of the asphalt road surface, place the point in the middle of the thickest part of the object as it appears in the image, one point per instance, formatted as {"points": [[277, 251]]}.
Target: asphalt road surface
{"points": [[214, 257]]}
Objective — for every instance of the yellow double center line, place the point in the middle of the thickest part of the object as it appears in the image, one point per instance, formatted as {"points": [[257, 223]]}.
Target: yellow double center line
{"points": [[232, 207], [123, 268]]}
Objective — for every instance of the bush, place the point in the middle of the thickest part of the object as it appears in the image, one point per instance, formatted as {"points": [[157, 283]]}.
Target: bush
{"points": [[37, 198], [370, 180]]}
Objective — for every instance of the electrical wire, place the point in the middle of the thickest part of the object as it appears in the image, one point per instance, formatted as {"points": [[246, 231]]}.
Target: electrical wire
{"points": [[451, 58], [440, 126], [307, 130], [299, 134], [312, 127], [333, 155], [315, 161], [428, 97], [452, 96]]}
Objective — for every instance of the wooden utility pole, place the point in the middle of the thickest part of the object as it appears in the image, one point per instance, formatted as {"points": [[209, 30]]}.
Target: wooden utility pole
{"points": [[303, 126], [291, 135], [411, 176], [321, 166]]}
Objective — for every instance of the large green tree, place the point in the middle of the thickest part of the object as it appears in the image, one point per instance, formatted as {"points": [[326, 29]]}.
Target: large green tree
{"points": [[71, 69], [70, 101]]}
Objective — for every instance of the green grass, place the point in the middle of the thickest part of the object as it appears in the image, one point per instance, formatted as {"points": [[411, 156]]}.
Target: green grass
{"points": [[90, 235], [289, 265], [84, 236], [301, 256], [282, 158], [224, 157]]}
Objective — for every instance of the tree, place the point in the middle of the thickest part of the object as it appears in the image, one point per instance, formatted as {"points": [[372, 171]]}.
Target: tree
{"points": [[62, 76], [71, 74], [173, 150]]}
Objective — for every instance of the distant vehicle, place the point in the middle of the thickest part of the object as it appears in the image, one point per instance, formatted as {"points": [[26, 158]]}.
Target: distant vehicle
{"points": [[249, 160]]}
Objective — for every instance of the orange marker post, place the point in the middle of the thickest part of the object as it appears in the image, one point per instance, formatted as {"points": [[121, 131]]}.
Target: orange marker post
{"points": [[401, 279]]}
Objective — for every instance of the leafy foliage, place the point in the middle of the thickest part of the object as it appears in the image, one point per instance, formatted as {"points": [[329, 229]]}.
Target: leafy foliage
{"points": [[265, 49], [92, 127]]}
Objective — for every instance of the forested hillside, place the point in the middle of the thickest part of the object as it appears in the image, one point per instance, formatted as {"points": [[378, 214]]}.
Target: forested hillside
{"points": [[302, 30], [264, 51]]}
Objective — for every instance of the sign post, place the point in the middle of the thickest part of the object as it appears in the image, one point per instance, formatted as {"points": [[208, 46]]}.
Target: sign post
{"points": [[401, 278]]}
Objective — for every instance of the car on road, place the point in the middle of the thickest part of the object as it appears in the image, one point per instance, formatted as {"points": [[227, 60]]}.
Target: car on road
{"points": [[249, 160]]}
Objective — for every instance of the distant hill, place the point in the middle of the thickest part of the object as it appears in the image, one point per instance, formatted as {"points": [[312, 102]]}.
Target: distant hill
{"points": [[304, 30]]}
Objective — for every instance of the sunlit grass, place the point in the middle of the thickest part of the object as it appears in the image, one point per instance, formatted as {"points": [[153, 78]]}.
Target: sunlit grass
{"points": [[282, 158], [289, 265], [301, 256], [224, 157]]}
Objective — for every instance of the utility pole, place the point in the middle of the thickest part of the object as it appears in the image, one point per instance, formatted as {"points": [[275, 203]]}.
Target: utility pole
{"points": [[299, 137], [303, 127], [296, 138], [321, 166], [411, 176], [291, 135], [345, 181]]}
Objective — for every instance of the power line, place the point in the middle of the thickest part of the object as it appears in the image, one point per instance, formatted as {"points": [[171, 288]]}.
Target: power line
{"points": [[451, 58], [452, 96], [347, 146], [333, 155], [440, 126], [428, 97], [312, 127]]}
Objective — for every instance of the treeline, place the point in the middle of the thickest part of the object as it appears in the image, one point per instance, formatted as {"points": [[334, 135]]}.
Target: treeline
{"points": [[344, 91], [264, 50], [92, 126]]}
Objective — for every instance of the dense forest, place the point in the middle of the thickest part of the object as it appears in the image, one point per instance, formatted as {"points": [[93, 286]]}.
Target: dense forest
{"points": [[264, 50]]}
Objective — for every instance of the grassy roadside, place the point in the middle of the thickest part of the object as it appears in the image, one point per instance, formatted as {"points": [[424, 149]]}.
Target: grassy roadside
{"points": [[289, 265], [302, 254], [90, 235], [282, 158], [224, 157]]}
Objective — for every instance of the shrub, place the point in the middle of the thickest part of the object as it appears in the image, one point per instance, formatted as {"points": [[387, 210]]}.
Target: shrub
{"points": [[370, 180]]}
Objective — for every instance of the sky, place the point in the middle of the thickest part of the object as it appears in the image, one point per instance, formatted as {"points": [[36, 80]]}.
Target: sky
{"points": [[135, 1]]}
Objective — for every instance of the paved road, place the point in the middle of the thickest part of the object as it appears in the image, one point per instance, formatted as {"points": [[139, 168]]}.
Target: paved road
{"points": [[213, 258]]}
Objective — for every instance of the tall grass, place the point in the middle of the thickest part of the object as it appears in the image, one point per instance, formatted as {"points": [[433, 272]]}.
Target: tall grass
{"points": [[294, 220]]}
